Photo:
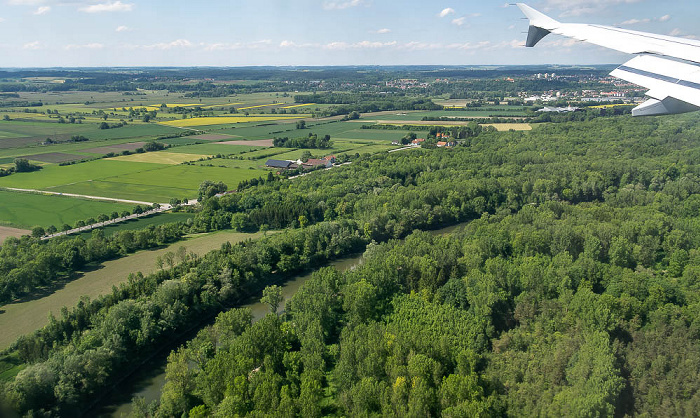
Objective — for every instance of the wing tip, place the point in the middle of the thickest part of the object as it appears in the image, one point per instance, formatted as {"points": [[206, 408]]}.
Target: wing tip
{"points": [[537, 18]]}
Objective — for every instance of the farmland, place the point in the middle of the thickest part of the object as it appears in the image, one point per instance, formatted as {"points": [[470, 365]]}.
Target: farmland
{"points": [[237, 130], [29, 209], [6, 232]]}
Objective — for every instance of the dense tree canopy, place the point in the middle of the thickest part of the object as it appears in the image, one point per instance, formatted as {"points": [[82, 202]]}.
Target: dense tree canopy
{"points": [[571, 288]]}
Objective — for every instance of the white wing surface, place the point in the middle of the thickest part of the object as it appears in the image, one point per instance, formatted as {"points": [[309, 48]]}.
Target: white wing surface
{"points": [[668, 66]]}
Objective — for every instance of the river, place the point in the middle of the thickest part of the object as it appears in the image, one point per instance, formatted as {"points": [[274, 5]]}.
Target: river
{"points": [[148, 381]]}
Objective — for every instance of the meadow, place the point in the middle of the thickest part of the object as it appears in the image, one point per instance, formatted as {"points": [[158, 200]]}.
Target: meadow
{"points": [[26, 210]]}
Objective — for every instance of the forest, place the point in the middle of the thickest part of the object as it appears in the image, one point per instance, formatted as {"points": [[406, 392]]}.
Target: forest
{"points": [[572, 288]]}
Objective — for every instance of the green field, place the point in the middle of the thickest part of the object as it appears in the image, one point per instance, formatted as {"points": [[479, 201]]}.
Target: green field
{"points": [[160, 185], [29, 209], [54, 175], [139, 192]]}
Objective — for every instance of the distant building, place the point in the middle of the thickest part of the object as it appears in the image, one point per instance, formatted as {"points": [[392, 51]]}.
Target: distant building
{"points": [[313, 163], [548, 109], [287, 165], [447, 144]]}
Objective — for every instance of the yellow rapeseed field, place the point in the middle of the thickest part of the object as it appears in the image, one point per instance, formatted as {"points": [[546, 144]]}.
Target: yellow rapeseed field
{"points": [[222, 120], [299, 105], [504, 127]]}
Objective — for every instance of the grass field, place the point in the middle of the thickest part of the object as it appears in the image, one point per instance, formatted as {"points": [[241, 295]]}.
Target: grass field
{"points": [[26, 317], [117, 189], [161, 157], [54, 175], [29, 209], [189, 177], [160, 185]]}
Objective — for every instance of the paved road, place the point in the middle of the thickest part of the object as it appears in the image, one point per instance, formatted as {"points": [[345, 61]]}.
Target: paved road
{"points": [[109, 222], [404, 148]]}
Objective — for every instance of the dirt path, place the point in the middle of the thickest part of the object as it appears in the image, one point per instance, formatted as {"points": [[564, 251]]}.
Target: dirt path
{"points": [[106, 199]]}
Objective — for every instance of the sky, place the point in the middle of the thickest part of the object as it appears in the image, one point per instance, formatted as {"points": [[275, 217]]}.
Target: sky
{"points": [[95, 33]]}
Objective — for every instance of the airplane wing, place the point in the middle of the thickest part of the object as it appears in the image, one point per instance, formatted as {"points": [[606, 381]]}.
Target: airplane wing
{"points": [[668, 66]]}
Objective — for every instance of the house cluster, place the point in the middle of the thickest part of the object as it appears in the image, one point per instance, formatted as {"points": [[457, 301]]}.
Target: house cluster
{"points": [[548, 109], [309, 164], [446, 144]]}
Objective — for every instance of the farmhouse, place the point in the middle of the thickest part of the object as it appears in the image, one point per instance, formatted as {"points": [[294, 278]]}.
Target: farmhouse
{"points": [[287, 165], [448, 144], [313, 163]]}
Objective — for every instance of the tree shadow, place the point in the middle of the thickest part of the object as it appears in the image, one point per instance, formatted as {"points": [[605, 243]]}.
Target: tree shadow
{"points": [[48, 290]]}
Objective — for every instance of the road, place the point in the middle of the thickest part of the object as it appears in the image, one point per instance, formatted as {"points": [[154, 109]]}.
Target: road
{"points": [[160, 209]]}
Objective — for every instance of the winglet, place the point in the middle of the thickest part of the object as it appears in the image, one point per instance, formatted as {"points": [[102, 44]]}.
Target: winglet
{"points": [[540, 24]]}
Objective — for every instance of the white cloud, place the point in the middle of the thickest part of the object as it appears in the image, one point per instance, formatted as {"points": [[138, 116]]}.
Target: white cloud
{"points": [[86, 46], [446, 12], [383, 31], [122, 28], [116, 6], [178, 43], [358, 45], [2, 19], [467, 47], [675, 32], [664, 18], [42, 10], [265, 43], [635, 21], [459, 21], [32, 45], [340, 5]]}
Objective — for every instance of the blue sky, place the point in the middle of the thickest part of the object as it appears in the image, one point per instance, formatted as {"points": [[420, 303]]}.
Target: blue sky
{"points": [[48, 33]]}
